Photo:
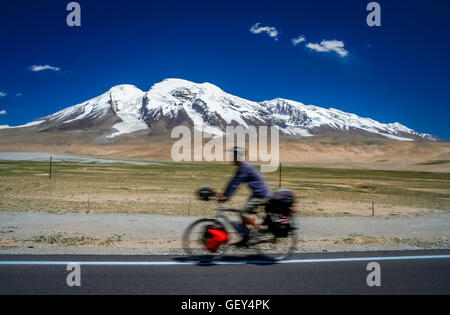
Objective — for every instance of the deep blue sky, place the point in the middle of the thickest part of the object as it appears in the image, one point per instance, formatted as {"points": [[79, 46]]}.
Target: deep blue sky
{"points": [[396, 72]]}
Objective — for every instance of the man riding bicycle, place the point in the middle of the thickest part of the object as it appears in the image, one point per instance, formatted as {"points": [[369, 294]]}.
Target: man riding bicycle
{"points": [[273, 238], [246, 173]]}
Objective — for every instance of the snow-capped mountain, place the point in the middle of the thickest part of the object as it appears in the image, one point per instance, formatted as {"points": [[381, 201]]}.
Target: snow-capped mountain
{"points": [[125, 109]]}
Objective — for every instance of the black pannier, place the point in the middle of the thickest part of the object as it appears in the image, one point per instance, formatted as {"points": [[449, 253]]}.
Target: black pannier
{"points": [[281, 202], [278, 224]]}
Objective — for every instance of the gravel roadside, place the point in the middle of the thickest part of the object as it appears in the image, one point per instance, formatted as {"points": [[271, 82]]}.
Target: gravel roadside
{"points": [[47, 233]]}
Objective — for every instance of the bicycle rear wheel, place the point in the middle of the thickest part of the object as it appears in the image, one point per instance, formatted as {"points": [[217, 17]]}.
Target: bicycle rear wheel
{"points": [[194, 243], [275, 248]]}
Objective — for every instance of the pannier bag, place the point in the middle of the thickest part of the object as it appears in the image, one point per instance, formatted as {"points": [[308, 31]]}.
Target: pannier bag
{"points": [[281, 202], [278, 224], [213, 237]]}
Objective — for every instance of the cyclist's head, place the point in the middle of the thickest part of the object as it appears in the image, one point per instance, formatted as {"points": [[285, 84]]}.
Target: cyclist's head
{"points": [[238, 154]]}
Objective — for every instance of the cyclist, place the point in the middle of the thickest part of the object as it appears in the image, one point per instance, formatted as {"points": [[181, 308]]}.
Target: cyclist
{"points": [[246, 173]]}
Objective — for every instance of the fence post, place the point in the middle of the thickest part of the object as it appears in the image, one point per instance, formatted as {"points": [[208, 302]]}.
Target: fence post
{"points": [[50, 168], [279, 179]]}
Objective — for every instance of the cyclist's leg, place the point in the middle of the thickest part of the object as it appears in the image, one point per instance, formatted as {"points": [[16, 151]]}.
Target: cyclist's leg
{"points": [[248, 211]]}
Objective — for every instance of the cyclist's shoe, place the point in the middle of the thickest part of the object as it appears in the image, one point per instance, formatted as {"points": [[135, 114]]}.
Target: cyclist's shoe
{"points": [[243, 231], [241, 243]]}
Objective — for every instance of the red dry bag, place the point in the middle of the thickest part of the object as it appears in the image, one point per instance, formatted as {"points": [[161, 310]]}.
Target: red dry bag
{"points": [[214, 238]]}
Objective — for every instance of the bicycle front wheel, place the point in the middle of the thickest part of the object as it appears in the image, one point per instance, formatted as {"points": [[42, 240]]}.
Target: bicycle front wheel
{"points": [[194, 241]]}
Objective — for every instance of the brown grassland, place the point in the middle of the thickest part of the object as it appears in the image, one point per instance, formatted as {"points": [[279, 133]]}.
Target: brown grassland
{"points": [[169, 188]]}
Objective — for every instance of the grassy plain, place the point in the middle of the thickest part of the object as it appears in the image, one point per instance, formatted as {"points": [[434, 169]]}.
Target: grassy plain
{"points": [[169, 188]]}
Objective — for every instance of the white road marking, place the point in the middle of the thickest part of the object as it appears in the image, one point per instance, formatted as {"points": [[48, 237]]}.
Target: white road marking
{"points": [[238, 262]]}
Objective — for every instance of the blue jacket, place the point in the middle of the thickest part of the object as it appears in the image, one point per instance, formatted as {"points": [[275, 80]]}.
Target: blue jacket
{"points": [[246, 173]]}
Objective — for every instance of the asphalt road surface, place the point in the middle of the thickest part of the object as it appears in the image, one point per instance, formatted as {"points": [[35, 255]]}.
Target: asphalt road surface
{"points": [[400, 272]]}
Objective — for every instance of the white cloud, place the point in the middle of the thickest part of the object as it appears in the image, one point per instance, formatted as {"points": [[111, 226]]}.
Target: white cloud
{"points": [[298, 40], [2, 94], [329, 45], [3, 112], [41, 68], [19, 94], [270, 30]]}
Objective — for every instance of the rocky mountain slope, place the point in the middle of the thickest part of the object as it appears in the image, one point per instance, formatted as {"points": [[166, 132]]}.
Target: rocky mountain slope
{"points": [[125, 109]]}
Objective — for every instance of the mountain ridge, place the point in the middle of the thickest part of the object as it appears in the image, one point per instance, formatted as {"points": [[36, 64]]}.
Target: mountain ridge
{"points": [[125, 109]]}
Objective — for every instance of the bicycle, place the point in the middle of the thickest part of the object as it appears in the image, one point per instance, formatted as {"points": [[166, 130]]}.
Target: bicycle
{"points": [[277, 236]]}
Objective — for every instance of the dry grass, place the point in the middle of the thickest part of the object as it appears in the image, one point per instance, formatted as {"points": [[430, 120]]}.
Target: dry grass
{"points": [[170, 189], [64, 239]]}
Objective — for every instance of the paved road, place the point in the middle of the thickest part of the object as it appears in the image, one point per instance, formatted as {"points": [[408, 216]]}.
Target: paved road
{"points": [[402, 272]]}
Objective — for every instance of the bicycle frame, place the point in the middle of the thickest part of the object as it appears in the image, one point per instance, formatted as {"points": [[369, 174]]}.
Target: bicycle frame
{"points": [[265, 234], [224, 220], [220, 216]]}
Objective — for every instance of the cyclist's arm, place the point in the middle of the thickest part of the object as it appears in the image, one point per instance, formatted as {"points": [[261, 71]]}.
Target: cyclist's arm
{"points": [[238, 178]]}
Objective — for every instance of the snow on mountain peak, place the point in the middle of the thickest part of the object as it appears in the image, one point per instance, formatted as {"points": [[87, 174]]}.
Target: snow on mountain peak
{"points": [[206, 105], [125, 109], [126, 101]]}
